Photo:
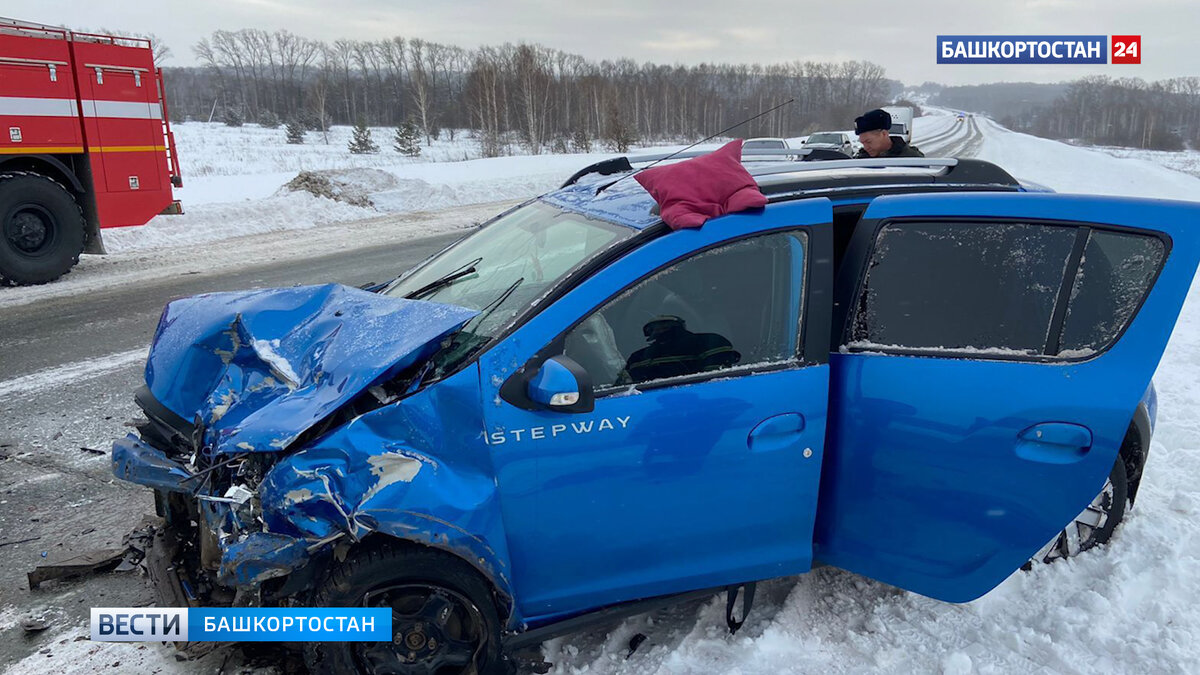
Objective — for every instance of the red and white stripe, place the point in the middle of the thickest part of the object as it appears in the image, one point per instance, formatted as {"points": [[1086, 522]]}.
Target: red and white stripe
{"points": [[21, 106]]}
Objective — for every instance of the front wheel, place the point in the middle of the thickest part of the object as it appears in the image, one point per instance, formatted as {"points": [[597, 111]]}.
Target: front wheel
{"points": [[1095, 525], [444, 620]]}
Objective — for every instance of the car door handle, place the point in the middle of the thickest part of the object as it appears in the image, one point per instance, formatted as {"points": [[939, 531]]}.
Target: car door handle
{"points": [[776, 433], [1054, 442]]}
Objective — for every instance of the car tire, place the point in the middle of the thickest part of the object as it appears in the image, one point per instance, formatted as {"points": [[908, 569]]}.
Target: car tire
{"points": [[1095, 524], [444, 617], [41, 229]]}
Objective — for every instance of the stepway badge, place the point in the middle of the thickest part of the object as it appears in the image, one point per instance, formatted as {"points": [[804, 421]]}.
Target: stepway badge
{"points": [[1022, 49], [241, 624]]}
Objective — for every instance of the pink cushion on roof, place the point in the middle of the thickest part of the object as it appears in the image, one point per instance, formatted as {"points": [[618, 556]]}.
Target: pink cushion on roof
{"points": [[691, 192]]}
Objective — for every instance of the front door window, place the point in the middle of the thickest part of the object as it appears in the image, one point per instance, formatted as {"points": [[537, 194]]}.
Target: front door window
{"points": [[730, 307]]}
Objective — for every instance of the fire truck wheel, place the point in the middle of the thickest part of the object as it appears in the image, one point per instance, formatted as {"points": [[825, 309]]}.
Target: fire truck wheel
{"points": [[41, 229]]}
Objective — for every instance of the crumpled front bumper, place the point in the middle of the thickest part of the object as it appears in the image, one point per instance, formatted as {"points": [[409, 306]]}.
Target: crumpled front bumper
{"points": [[247, 557], [139, 462], [396, 471]]}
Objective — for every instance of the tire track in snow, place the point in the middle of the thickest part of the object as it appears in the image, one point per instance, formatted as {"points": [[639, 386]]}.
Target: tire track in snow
{"points": [[969, 144], [937, 140], [70, 373], [940, 137], [953, 143]]}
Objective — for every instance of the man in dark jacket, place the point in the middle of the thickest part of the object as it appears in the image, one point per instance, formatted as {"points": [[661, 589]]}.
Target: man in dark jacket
{"points": [[872, 129]]}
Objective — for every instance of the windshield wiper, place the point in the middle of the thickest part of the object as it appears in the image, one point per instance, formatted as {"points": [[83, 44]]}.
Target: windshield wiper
{"points": [[445, 281], [486, 310], [491, 306], [453, 352]]}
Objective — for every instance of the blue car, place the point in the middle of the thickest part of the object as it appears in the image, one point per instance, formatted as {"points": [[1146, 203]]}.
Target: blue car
{"points": [[918, 370]]}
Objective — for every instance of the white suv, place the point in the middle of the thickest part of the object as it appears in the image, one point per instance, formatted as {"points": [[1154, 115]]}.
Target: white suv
{"points": [[832, 140]]}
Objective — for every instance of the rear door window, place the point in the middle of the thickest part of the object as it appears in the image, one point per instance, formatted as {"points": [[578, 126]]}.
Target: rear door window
{"points": [[1114, 275], [997, 288], [965, 287]]}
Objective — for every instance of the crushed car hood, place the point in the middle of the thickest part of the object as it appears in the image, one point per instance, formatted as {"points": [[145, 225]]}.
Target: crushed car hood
{"points": [[255, 369]]}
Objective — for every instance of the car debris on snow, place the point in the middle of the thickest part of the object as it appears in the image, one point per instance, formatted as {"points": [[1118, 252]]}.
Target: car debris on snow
{"points": [[34, 624], [124, 559], [91, 562]]}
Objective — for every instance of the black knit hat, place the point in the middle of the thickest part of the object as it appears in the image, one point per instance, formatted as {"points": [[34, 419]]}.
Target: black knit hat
{"points": [[873, 120]]}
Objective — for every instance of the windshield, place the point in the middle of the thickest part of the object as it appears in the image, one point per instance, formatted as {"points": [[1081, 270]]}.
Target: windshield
{"points": [[835, 139], [503, 267]]}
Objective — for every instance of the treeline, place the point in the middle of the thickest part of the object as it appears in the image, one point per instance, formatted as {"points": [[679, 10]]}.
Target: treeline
{"points": [[1162, 115], [543, 99], [998, 99]]}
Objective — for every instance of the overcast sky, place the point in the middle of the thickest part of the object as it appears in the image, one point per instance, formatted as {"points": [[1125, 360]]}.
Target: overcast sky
{"points": [[899, 34]]}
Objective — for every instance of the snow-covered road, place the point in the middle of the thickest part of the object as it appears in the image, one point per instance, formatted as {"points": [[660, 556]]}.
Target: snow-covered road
{"points": [[1132, 606]]}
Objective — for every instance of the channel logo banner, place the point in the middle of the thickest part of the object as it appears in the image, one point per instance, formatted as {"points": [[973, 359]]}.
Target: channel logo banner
{"points": [[999, 49], [241, 624]]}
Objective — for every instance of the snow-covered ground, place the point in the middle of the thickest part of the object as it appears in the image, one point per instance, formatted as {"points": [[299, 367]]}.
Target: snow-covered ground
{"points": [[1187, 161], [1132, 606], [1068, 168], [233, 179]]}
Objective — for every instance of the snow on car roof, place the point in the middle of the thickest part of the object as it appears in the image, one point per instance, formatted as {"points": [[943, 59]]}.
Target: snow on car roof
{"points": [[624, 202]]}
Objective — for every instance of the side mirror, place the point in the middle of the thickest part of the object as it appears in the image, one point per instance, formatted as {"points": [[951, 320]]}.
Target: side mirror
{"points": [[562, 385]]}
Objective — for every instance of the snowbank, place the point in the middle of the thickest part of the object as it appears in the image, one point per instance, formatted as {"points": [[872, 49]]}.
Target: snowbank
{"points": [[1068, 168], [233, 178]]}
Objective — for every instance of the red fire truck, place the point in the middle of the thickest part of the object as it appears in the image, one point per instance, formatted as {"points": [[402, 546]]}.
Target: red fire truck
{"points": [[85, 144]]}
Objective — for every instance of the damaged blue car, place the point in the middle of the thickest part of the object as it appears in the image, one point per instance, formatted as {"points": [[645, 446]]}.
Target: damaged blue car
{"points": [[919, 370]]}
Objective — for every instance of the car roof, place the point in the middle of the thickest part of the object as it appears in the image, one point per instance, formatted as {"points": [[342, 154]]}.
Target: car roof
{"points": [[605, 190]]}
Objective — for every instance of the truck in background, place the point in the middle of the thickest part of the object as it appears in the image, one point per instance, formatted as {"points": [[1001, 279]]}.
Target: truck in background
{"points": [[902, 122], [85, 144]]}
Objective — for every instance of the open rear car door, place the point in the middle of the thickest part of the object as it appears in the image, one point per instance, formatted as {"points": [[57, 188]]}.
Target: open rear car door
{"points": [[993, 349]]}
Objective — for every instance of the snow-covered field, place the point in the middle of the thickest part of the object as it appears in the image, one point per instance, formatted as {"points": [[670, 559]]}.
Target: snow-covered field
{"points": [[233, 179], [1132, 606], [1187, 161]]}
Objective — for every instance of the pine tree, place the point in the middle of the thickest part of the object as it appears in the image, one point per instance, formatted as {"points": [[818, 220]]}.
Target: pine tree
{"points": [[268, 120], [408, 139], [362, 143], [580, 142], [232, 117], [295, 132]]}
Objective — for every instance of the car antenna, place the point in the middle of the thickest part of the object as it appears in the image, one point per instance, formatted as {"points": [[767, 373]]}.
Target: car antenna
{"points": [[702, 140]]}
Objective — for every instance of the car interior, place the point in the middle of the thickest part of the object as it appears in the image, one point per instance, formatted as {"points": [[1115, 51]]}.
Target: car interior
{"points": [[705, 300]]}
